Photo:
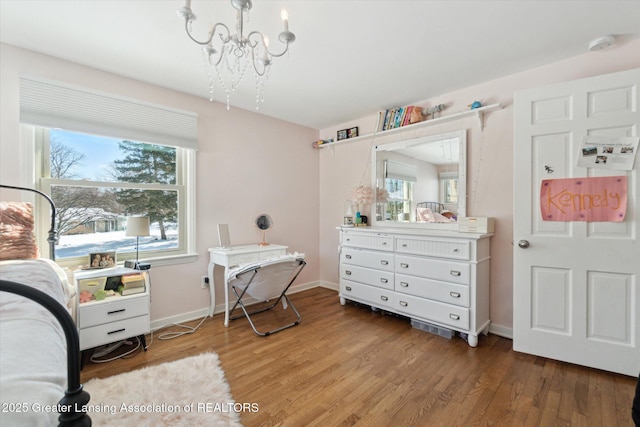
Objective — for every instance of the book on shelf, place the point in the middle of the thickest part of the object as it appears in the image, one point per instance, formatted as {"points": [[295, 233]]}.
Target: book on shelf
{"points": [[132, 291], [132, 284], [394, 118]]}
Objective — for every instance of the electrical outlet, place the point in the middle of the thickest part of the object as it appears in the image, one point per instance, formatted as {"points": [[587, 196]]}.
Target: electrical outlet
{"points": [[204, 282]]}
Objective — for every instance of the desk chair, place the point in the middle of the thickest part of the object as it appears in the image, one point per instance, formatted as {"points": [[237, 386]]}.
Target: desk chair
{"points": [[264, 281]]}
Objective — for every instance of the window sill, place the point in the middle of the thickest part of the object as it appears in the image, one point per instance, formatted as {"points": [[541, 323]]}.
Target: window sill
{"points": [[155, 262]]}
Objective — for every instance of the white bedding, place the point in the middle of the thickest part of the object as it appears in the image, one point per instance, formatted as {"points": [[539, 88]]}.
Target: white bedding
{"points": [[33, 353]]}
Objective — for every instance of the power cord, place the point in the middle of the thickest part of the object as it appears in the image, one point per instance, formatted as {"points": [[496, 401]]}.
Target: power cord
{"points": [[110, 348]]}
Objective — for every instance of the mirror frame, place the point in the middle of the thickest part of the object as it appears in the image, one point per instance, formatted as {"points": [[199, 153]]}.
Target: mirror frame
{"points": [[462, 178]]}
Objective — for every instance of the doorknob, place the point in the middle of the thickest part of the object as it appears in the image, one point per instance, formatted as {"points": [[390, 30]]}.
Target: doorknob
{"points": [[524, 244]]}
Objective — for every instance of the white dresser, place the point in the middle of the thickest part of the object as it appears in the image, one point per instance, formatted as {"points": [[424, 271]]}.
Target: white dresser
{"points": [[438, 277]]}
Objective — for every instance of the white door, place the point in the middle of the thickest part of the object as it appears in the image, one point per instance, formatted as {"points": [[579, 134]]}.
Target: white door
{"points": [[576, 284]]}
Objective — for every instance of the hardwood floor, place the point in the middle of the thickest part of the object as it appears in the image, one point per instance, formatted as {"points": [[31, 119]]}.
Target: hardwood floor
{"points": [[347, 365]]}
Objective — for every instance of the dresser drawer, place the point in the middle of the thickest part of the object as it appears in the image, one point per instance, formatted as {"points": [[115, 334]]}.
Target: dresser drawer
{"points": [[371, 295], [427, 288], [113, 331], [442, 248], [368, 241], [112, 311], [448, 271], [369, 276], [446, 314], [371, 259]]}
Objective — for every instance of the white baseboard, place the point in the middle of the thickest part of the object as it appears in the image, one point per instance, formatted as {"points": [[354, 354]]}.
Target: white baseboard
{"points": [[219, 308], [503, 331]]}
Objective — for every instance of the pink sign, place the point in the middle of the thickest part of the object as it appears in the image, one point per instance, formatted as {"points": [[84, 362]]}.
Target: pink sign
{"points": [[584, 199]]}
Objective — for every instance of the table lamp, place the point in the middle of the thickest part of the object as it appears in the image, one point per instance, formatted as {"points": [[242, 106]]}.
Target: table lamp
{"points": [[138, 226]]}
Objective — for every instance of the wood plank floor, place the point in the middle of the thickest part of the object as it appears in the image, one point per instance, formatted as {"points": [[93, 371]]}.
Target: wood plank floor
{"points": [[347, 365]]}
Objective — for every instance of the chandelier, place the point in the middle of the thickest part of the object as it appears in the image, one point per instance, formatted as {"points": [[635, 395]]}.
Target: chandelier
{"points": [[228, 56]]}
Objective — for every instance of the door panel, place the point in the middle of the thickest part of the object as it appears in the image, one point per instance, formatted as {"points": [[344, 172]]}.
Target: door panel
{"points": [[576, 294]]}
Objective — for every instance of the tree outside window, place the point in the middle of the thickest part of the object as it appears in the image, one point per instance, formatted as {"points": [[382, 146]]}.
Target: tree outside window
{"points": [[97, 182]]}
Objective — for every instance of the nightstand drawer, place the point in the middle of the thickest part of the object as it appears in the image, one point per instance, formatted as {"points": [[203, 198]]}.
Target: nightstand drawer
{"points": [[114, 331], [108, 312]]}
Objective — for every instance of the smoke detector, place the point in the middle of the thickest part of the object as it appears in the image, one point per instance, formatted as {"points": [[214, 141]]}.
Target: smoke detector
{"points": [[601, 43]]}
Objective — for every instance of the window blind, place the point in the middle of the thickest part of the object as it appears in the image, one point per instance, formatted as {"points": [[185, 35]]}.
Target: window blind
{"points": [[61, 105], [395, 170]]}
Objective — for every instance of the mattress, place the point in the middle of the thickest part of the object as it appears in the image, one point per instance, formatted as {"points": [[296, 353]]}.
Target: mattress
{"points": [[33, 354]]}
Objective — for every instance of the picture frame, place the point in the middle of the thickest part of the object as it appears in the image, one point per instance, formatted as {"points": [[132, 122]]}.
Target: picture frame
{"points": [[342, 134], [102, 259], [352, 132]]}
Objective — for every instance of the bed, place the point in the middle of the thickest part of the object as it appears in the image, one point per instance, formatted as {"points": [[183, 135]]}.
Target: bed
{"points": [[39, 378], [433, 212]]}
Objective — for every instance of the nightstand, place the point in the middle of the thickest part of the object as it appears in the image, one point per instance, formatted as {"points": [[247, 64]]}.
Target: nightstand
{"points": [[116, 317]]}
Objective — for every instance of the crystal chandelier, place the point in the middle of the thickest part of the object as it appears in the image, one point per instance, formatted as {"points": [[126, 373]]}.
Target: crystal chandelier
{"points": [[227, 63]]}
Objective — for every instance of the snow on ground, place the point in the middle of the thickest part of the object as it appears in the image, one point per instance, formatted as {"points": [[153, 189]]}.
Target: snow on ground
{"points": [[78, 245]]}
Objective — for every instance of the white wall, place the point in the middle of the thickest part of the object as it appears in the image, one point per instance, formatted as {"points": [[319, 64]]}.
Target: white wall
{"points": [[489, 161], [247, 164]]}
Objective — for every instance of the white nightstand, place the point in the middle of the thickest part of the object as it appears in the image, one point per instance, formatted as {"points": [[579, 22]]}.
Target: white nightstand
{"points": [[115, 317]]}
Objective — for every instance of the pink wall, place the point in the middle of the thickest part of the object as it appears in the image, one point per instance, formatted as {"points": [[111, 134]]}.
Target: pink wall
{"points": [[489, 163], [247, 164]]}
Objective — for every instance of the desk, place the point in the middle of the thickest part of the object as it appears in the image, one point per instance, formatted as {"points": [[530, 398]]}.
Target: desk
{"points": [[232, 257]]}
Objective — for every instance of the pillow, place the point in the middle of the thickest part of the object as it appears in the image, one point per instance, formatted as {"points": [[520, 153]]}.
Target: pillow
{"points": [[17, 238]]}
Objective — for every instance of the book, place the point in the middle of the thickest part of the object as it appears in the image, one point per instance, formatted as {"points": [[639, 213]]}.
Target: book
{"points": [[132, 291], [133, 281]]}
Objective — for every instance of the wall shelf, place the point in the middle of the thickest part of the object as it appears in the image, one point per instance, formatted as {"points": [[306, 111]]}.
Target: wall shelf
{"points": [[478, 113]]}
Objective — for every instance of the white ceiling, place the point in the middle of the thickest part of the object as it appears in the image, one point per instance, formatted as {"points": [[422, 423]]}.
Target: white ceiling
{"points": [[350, 59]]}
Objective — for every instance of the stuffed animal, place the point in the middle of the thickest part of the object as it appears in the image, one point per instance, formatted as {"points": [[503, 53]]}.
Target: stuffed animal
{"points": [[85, 296], [416, 115]]}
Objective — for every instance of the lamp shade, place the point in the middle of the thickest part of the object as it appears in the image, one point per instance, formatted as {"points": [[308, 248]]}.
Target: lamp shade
{"points": [[137, 226]]}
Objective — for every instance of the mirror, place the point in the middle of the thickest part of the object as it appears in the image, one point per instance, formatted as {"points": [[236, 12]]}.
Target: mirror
{"points": [[424, 179], [264, 223]]}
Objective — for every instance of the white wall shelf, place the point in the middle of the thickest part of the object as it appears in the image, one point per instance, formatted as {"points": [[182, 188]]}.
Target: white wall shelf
{"points": [[477, 112]]}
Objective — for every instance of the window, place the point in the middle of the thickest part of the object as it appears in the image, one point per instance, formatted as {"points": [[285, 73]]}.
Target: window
{"points": [[400, 199], [449, 187], [97, 182]]}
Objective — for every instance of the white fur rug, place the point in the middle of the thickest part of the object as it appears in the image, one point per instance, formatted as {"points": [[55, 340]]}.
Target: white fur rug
{"points": [[188, 392]]}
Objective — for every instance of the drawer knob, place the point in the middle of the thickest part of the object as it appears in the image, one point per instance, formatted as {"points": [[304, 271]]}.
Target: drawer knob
{"points": [[347, 256], [116, 311], [404, 284], [454, 316], [384, 262], [383, 280], [455, 294], [348, 288], [404, 303], [455, 273], [383, 298], [404, 265], [456, 250], [384, 243], [347, 272], [404, 245]]}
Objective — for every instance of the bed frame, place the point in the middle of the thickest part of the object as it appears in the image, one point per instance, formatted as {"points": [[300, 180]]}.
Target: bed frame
{"points": [[75, 398]]}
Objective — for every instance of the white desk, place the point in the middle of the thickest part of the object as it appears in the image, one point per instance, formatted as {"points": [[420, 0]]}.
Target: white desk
{"points": [[231, 257]]}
